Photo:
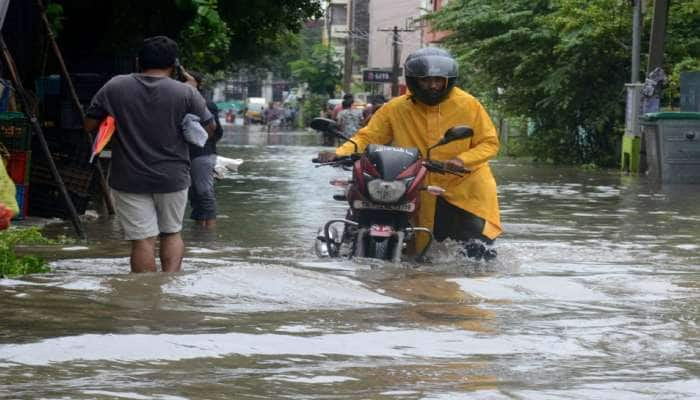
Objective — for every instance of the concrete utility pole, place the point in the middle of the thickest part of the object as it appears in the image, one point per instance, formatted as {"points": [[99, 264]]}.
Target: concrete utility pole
{"points": [[347, 65], [329, 21], [636, 39], [396, 59], [631, 140]]}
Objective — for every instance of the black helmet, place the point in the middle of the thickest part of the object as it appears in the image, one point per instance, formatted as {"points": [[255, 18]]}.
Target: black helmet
{"points": [[430, 62]]}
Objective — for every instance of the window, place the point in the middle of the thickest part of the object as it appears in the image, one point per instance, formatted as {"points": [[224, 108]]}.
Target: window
{"points": [[339, 14]]}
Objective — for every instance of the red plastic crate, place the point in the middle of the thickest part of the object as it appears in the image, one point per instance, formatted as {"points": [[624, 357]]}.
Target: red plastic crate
{"points": [[15, 133], [18, 166]]}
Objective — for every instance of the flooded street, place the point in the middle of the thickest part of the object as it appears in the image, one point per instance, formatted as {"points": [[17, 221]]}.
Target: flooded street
{"points": [[595, 295]]}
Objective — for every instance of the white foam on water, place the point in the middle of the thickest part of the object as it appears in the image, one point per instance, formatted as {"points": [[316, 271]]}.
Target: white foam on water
{"points": [[253, 288], [393, 344], [15, 282], [630, 389], [312, 380], [296, 329], [134, 396], [529, 288], [476, 395]]}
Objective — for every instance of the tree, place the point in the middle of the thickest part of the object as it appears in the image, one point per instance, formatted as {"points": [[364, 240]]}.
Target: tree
{"points": [[682, 45], [562, 64], [319, 70], [212, 34]]}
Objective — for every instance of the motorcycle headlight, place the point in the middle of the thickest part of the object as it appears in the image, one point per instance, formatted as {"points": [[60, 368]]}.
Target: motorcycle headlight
{"points": [[385, 191]]}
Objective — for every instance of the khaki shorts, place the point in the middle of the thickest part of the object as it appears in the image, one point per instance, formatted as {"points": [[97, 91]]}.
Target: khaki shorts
{"points": [[145, 215]]}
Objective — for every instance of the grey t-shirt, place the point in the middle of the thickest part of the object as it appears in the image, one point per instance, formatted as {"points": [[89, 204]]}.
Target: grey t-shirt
{"points": [[149, 152]]}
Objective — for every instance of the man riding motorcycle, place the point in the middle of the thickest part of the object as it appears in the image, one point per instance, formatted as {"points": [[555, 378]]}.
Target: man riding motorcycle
{"points": [[468, 210]]}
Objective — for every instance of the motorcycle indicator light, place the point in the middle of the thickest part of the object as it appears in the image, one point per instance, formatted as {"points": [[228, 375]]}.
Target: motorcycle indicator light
{"points": [[383, 191]]}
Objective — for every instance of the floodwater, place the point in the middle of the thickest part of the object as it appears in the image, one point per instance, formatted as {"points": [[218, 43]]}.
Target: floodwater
{"points": [[595, 295]]}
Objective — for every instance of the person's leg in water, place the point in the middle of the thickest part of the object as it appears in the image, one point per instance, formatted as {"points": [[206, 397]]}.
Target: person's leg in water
{"points": [[143, 257], [452, 222], [136, 213], [171, 210], [202, 193], [172, 249]]}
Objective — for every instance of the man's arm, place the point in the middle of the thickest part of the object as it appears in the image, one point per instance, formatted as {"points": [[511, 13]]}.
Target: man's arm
{"points": [[485, 140], [210, 128]]}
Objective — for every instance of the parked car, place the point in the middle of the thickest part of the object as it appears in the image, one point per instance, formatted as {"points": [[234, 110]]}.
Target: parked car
{"points": [[255, 106]]}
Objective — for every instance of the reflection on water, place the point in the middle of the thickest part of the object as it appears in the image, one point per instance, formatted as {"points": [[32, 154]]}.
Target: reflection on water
{"points": [[595, 295]]}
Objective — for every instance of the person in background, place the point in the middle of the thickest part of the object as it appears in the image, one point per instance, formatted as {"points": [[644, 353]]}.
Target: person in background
{"points": [[270, 116], [377, 101], [468, 210], [348, 97], [150, 171], [349, 119], [202, 162]]}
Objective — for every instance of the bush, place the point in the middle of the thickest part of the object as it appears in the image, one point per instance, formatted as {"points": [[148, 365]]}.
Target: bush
{"points": [[13, 265], [312, 106]]}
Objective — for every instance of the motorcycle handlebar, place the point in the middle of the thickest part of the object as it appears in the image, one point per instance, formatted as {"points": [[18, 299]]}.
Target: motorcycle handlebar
{"points": [[439, 167], [339, 161]]}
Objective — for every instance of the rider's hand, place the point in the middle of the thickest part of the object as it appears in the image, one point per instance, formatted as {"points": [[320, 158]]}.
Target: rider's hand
{"points": [[454, 164], [327, 156]]}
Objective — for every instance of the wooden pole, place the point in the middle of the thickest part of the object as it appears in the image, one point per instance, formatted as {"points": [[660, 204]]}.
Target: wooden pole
{"points": [[396, 60], [26, 106], [76, 102]]}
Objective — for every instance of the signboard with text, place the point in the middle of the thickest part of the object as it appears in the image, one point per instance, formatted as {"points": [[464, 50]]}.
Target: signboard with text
{"points": [[378, 75]]}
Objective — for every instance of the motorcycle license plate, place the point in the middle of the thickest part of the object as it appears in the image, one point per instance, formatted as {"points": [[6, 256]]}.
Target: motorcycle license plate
{"points": [[381, 231], [366, 205]]}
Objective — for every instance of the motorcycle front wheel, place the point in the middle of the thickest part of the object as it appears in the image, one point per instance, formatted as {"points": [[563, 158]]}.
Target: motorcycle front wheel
{"points": [[379, 248]]}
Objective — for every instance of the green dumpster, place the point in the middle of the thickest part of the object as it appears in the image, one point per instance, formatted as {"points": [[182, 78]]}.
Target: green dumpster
{"points": [[672, 146]]}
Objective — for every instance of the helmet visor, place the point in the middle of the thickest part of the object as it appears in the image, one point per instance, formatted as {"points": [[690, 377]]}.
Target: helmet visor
{"points": [[431, 65], [432, 83]]}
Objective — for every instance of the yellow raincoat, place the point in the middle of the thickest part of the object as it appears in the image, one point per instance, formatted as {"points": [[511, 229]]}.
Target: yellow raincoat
{"points": [[403, 122], [7, 191]]}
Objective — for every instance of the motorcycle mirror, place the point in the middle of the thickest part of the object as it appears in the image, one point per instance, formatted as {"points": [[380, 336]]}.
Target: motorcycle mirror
{"points": [[456, 133], [324, 125], [329, 126], [452, 134]]}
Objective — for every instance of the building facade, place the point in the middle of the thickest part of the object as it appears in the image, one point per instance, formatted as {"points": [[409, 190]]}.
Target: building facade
{"points": [[430, 37], [347, 28], [384, 15]]}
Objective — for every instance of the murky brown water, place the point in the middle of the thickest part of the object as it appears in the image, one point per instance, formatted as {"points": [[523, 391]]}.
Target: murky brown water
{"points": [[596, 295]]}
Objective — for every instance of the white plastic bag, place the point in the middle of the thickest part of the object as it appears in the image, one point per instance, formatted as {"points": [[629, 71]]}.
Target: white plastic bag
{"points": [[193, 131]]}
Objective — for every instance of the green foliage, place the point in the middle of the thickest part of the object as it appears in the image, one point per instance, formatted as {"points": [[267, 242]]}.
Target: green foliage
{"points": [[682, 45], [10, 263], [312, 106], [54, 13], [212, 34], [319, 70], [561, 63], [673, 91], [205, 41], [259, 28]]}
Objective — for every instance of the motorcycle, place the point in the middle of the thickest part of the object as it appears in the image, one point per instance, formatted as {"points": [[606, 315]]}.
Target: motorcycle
{"points": [[383, 195]]}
